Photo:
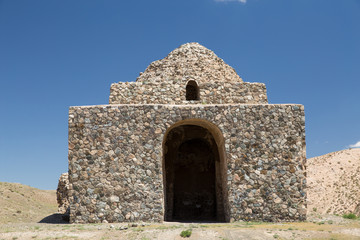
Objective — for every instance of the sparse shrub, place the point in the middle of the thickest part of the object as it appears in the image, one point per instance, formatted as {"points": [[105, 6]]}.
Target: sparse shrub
{"points": [[276, 236], [186, 233], [349, 216], [314, 209]]}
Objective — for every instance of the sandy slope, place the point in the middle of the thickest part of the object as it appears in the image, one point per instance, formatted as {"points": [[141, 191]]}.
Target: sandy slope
{"points": [[334, 182], [21, 203]]}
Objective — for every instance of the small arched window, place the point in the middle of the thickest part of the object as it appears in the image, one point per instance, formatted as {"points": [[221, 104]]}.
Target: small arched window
{"points": [[192, 91]]}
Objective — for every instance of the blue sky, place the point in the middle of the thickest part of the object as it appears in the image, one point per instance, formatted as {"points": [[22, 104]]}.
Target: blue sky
{"points": [[55, 54]]}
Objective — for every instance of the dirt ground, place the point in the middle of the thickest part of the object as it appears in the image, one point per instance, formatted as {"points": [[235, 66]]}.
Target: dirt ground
{"points": [[317, 227]]}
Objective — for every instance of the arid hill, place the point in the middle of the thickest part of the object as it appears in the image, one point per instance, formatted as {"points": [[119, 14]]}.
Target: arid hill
{"points": [[21, 203], [334, 182]]}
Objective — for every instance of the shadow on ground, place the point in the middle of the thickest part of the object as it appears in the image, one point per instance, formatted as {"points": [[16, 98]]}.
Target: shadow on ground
{"points": [[56, 218]]}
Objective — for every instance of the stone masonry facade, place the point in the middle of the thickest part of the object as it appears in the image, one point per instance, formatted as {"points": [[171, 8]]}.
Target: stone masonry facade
{"points": [[134, 159], [173, 92]]}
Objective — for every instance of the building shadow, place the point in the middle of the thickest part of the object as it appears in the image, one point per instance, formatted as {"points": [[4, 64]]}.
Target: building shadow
{"points": [[56, 218]]}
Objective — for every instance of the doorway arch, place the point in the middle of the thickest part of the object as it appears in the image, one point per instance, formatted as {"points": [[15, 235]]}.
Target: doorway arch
{"points": [[194, 167]]}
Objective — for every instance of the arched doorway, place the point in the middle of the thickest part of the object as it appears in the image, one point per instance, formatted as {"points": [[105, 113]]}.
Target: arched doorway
{"points": [[194, 172]]}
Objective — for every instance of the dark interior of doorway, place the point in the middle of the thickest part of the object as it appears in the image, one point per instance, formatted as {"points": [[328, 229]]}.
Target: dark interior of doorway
{"points": [[191, 182]]}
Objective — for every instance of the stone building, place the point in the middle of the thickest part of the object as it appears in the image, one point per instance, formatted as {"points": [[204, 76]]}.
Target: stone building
{"points": [[187, 141]]}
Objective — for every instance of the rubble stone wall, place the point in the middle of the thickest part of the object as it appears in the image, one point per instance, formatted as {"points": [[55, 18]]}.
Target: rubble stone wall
{"points": [[62, 193], [116, 155], [174, 92]]}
